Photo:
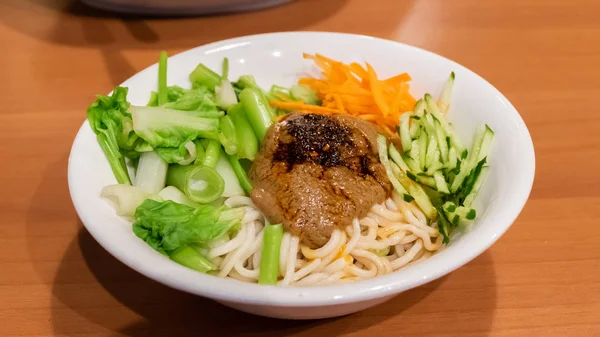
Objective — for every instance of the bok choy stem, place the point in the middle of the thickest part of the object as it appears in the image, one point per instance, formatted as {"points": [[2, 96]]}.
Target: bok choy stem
{"points": [[151, 172], [162, 78], [258, 111], [269, 261], [246, 139], [200, 183]]}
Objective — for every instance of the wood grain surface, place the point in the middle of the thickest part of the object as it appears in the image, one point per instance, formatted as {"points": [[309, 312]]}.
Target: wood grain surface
{"points": [[541, 279]]}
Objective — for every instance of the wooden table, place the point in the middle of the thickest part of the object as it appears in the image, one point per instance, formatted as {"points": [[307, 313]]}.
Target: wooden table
{"points": [[541, 279]]}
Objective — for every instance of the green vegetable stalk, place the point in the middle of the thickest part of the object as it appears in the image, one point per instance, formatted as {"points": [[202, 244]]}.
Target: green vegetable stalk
{"points": [[203, 76], [247, 141], [211, 153], [228, 136], [269, 260], [200, 183], [257, 110], [240, 173], [190, 257], [162, 78]]}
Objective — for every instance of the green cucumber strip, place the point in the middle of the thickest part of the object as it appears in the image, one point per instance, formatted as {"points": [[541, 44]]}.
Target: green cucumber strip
{"points": [[418, 113], [476, 187], [383, 158], [437, 164], [448, 129], [397, 158], [446, 95], [414, 152], [411, 163], [452, 159], [423, 149], [476, 146], [440, 182], [486, 143], [470, 162], [431, 150], [404, 131], [442, 141], [421, 198]]}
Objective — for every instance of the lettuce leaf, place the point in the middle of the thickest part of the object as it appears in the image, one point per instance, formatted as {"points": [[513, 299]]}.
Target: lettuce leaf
{"points": [[162, 127], [110, 121], [168, 225]]}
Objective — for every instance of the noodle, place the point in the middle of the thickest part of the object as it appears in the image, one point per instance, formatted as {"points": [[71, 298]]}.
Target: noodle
{"points": [[393, 235]]}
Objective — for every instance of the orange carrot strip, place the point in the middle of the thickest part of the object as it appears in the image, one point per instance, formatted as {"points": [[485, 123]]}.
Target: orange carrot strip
{"points": [[359, 70], [301, 106], [340, 105], [396, 80], [377, 91]]}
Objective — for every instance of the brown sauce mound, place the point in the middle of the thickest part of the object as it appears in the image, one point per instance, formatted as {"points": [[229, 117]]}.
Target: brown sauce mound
{"points": [[316, 173]]}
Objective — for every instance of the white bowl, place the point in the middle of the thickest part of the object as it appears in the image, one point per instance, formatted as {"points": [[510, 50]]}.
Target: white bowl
{"points": [[277, 59]]}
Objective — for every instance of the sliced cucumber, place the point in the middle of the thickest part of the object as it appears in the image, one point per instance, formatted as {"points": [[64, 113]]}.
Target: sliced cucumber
{"points": [[404, 131], [446, 95], [423, 149], [432, 150], [452, 159], [397, 158], [383, 158], [476, 187], [421, 198], [440, 182], [411, 163], [448, 129], [415, 154], [486, 143], [442, 141]]}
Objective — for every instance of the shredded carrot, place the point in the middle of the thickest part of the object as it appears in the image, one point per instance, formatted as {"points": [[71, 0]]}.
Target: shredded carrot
{"points": [[355, 90]]}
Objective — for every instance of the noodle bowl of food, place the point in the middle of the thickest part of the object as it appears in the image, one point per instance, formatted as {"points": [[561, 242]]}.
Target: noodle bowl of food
{"points": [[300, 175]]}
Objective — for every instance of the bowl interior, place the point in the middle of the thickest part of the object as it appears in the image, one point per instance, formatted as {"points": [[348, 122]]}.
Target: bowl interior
{"points": [[277, 59]]}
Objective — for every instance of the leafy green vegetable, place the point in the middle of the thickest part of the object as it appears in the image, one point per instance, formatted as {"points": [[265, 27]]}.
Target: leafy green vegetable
{"points": [[174, 92], [170, 128], [107, 117], [202, 76], [185, 154], [199, 99], [168, 225]]}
